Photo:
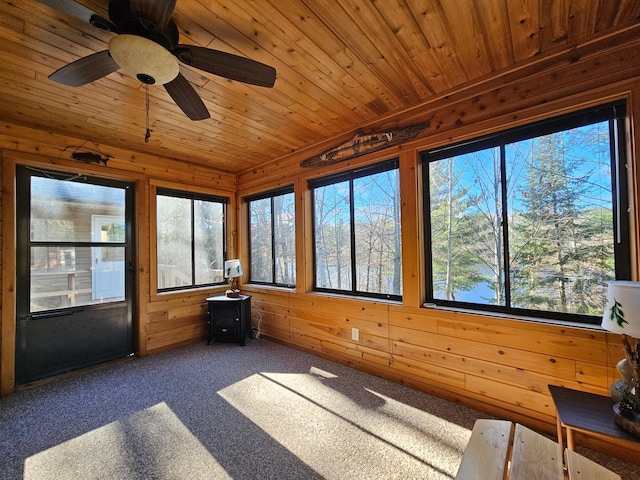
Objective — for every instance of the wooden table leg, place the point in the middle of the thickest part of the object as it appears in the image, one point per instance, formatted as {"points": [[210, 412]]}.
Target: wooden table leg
{"points": [[570, 440], [560, 438]]}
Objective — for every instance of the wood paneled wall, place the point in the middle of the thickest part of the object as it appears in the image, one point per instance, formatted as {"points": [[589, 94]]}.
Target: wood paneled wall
{"points": [[498, 364], [161, 321]]}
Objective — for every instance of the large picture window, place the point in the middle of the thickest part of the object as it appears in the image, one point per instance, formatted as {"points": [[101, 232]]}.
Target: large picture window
{"points": [[272, 238], [356, 221], [190, 239], [531, 221]]}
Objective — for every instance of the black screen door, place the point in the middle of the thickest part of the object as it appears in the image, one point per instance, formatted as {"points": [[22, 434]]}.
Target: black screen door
{"points": [[74, 272]]}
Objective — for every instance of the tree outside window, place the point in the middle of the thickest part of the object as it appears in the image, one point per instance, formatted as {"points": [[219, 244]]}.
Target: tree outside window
{"points": [[527, 221], [272, 238], [357, 242]]}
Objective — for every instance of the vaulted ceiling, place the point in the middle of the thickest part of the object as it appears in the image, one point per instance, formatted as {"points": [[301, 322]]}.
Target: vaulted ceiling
{"points": [[341, 64]]}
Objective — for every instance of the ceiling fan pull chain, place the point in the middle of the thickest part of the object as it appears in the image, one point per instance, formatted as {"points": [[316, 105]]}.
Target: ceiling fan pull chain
{"points": [[148, 134]]}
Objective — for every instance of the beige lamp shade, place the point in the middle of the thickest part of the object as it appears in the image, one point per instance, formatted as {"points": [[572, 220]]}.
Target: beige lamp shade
{"points": [[144, 59], [622, 310], [232, 269]]}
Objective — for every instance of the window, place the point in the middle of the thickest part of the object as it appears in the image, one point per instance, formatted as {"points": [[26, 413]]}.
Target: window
{"points": [[190, 239], [531, 221], [272, 238], [356, 238]]}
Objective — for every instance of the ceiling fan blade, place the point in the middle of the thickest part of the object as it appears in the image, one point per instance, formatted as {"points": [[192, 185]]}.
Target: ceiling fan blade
{"points": [[227, 65], [85, 70], [70, 7], [187, 98], [154, 15]]}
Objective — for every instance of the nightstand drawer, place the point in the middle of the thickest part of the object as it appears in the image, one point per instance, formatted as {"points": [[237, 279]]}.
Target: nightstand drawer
{"points": [[225, 330]]}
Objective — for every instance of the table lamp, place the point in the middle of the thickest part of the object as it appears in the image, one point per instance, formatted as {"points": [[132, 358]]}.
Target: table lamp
{"points": [[622, 315], [233, 270]]}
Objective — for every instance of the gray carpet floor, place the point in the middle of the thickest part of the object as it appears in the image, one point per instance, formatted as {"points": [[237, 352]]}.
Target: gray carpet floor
{"points": [[263, 411]]}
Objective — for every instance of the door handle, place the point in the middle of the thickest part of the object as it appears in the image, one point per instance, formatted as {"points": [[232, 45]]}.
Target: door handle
{"points": [[53, 313]]}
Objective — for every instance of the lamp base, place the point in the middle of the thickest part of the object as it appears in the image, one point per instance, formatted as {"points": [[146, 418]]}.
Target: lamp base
{"points": [[630, 423], [232, 293]]}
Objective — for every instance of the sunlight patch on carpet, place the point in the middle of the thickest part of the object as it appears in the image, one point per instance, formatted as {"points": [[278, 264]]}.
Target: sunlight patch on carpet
{"points": [[319, 418], [152, 443]]}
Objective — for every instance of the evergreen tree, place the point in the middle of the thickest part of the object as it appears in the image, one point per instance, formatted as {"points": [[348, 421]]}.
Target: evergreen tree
{"points": [[557, 242]]}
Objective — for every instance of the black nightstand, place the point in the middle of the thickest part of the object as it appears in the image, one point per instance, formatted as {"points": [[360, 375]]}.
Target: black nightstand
{"points": [[229, 319]]}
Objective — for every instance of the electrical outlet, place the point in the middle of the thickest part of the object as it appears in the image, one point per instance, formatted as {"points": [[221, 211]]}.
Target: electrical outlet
{"points": [[355, 334]]}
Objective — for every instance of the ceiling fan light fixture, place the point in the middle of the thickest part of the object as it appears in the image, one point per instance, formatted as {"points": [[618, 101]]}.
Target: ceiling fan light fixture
{"points": [[144, 59]]}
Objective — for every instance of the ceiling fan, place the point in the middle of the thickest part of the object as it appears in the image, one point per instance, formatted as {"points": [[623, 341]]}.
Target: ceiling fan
{"points": [[146, 46]]}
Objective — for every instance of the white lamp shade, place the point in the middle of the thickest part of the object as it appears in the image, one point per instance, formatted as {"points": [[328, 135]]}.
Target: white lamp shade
{"points": [[622, 310], [232, 268]]}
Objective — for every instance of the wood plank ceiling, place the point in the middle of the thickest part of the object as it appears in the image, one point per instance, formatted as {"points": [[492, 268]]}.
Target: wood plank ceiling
{"points": [[341, 64]]}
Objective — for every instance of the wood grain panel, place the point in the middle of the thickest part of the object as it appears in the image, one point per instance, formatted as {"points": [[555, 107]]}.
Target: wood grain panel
{"points": [[174, 337], [469, 41], [335, 332], [567, 342], [412, 227], [498, 354], [439, 34], [594, 377], [527, 400], [430, 372], [524, 23], [406, 316], [7, 278]]}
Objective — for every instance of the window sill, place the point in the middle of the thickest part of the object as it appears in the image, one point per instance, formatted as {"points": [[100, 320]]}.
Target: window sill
{"points": [[522, 318], [264, 286], [355, 297], [190, 292]]}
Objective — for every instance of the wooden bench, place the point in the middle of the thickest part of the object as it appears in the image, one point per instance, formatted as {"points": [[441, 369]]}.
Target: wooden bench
{"points": [[498, 450]]}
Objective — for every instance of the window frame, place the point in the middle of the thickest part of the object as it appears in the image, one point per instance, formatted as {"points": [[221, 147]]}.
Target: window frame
{"points": [[270, 194], [350, 176], [192, 197], [615, 114]]}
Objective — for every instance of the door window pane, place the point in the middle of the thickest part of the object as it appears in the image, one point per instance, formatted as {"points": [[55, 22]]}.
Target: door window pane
{"points": [[70, 276], [61, 209], [71, 225]]}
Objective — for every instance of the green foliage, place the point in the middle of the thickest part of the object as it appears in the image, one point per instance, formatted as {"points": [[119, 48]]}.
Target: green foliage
{"points": [[617, 314]]}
